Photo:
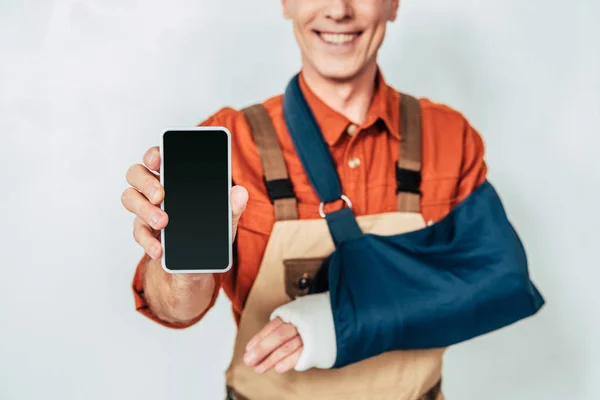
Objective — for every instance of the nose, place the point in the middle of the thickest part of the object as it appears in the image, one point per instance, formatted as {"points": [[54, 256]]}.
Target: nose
{"points": [[338, 10]]}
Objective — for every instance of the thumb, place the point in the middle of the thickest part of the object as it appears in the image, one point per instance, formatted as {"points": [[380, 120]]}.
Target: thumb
{"points": [[239, 200]]}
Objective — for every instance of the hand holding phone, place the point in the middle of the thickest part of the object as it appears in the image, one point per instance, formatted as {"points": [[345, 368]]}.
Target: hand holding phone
{"points": [[146, 199]]}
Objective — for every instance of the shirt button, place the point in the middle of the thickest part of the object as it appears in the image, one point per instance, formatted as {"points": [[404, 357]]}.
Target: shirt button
{"points": [[354, 162], [351, 130]]}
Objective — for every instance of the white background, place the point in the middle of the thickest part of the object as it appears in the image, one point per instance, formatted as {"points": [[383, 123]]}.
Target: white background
{"points": [[87, 86]]}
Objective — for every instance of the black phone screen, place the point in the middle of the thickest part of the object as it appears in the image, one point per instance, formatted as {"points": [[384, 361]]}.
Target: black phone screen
{"points": [[195, 174]]}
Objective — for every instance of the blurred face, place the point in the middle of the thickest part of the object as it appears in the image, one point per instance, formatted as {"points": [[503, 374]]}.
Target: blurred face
{"points": [[339, 38]]}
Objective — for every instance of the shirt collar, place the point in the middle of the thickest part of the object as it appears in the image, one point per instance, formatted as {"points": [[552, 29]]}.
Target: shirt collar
{"points": [[384, 107]]}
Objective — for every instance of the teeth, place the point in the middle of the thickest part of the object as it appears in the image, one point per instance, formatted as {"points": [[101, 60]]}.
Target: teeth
{"points": [[338, 38]]}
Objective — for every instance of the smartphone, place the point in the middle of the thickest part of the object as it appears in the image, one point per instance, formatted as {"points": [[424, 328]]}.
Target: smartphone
{"points": [[195, 173]]}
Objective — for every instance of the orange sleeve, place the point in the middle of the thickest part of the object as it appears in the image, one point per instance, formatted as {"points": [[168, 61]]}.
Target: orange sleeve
{"points": [[137, 285], [473, 171]]}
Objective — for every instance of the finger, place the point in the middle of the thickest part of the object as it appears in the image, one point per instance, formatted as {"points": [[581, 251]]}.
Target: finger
{"points": [[152, 158], [146, 237], [239, 201], [281, 353], [271, 342], [289, 363], [136, 203], [146, 182], [264, 332]]}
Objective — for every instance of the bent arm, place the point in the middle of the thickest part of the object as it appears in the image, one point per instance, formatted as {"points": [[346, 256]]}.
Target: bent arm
{"points": [[467, 289]]}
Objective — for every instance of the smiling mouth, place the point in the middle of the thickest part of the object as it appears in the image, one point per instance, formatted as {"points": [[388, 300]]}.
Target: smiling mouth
{"points": [[338, 38]]}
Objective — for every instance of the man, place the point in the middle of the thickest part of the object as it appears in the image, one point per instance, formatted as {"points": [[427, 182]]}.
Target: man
{"points": [[358, 114]]}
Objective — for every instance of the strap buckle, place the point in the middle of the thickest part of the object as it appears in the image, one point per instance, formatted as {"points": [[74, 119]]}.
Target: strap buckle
{"points": [[322, 205], [408, 181], [279, 189]]}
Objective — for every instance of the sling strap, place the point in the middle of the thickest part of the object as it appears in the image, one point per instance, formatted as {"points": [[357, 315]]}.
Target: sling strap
{"points": [[277, 181], [318, 163], [408, 168]]}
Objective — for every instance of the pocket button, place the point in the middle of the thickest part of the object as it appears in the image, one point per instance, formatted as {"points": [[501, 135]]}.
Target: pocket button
{"points": [[304, 282]]}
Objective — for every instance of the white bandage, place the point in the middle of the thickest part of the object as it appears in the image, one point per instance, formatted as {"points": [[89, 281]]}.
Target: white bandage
{"points": [[312, 317]]}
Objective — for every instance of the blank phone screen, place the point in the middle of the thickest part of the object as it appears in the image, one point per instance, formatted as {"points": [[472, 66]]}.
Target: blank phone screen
{"points": [[196, 178]]}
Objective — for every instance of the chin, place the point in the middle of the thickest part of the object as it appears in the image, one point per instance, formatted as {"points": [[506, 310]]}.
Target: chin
{"points": [[338, 70]]}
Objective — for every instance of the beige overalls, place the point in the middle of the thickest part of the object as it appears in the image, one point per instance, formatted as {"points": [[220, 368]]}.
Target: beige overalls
{"points": [[295, 250]]}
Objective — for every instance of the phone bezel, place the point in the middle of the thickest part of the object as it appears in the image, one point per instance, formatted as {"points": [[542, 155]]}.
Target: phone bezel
{"points": [[229, 216]]}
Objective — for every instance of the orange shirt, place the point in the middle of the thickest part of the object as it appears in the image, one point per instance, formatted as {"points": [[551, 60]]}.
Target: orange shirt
{"points": [[365, 156]]}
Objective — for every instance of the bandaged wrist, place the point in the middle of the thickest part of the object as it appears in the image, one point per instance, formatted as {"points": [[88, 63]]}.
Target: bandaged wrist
{"points": [[312, 317]]}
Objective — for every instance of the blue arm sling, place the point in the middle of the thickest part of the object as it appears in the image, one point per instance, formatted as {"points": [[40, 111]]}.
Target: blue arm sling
{"points": [[462, 277]]}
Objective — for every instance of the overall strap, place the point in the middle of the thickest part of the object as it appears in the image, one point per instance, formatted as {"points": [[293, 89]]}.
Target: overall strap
{"points": [[318, 163], [277, 181], [408, 168]]}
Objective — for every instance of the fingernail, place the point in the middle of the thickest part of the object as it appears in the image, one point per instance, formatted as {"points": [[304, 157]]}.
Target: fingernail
{"points": [[249, 357], [152, 192], [250, 344], [239, 203], [260, 369], [236, 205], [155, 218], [152, 159]]}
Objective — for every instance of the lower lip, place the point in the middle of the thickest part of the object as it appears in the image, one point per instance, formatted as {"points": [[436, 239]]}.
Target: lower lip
{"points": [[339, 46]]}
